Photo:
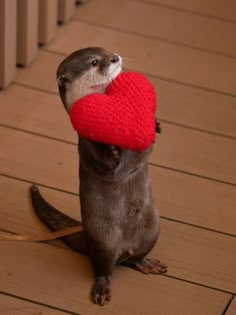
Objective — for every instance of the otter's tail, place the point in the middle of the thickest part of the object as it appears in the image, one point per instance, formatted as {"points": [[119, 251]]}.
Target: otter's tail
{"points": [[56, 220]]}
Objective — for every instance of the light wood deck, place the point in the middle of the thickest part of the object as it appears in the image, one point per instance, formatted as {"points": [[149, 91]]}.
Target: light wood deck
{"points": [[188, 50]]}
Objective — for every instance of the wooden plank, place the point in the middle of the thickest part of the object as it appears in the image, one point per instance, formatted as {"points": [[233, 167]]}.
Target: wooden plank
{"points": [[192, 254], [43, 163], [162, 23], [194, 200], [14, 306], [177, 202], [169, 61], [212, 264], [232, 308], [177, 103], [196, 152], [62, 278], [47, 20], [45, 66], [66, 10], [218, 8], [17, 214], [7, 42], [38, 110], [196, 108], [27, 31], [179, 148], [190, 251], [179, 196]]}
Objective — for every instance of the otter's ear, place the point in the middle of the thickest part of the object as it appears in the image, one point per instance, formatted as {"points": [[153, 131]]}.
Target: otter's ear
{"points": [[61, 80]]}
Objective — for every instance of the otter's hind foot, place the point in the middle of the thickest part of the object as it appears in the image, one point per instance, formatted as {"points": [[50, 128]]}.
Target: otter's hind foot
{"points": [[101, 292], [147, 266]]}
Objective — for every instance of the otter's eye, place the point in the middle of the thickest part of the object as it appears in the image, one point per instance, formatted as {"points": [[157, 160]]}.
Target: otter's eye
{"points": [[94, 62]]}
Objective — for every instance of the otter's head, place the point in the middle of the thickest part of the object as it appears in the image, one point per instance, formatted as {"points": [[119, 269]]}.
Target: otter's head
{"points": [[86, 71]]}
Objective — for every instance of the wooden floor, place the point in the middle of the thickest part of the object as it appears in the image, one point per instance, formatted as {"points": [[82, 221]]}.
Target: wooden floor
{"points": [[188, 50]]}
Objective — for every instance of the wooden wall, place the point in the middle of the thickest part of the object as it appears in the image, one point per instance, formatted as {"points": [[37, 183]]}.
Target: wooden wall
{"points": [[24, 25]]}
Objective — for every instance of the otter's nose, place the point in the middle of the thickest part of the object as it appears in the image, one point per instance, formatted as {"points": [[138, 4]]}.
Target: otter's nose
{"points": [[115, 58]]}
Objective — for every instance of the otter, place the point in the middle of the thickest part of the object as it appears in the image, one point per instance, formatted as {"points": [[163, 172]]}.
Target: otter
{"points": [[120, 220]]}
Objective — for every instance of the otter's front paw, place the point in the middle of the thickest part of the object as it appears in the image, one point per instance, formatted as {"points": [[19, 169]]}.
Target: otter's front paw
{"points": [[101, 292], [115, 151], [158, 126]]}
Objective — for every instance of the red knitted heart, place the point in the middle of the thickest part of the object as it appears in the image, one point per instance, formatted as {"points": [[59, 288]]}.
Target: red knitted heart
{"points": [[124, 116]]}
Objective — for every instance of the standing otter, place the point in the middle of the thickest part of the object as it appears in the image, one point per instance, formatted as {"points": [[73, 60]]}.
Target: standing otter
{"points": [[120, 220]]}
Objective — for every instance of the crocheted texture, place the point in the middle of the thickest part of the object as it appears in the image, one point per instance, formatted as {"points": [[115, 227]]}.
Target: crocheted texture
{"points": [[124, 116]]}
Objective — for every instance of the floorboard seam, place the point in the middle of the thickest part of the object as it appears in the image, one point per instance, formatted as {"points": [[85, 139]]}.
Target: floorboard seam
{"points": [[150, 163], [159, 118], [27, 86], [192, 174], [198, 226], [196, 129], [160, 39], [54, 52], [163, 217], [38, 303], [199, 284], [164, 275], [214, 17], [203, 88], [38, 134], [39, 184], [228, 305]]}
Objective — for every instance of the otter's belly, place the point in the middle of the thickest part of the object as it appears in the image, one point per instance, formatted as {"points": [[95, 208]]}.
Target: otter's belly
{"points": [[140, 238]]}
